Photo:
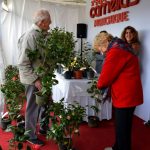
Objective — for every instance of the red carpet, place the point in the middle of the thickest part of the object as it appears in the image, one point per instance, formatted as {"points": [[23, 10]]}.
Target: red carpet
{"points": [[95, 138]]}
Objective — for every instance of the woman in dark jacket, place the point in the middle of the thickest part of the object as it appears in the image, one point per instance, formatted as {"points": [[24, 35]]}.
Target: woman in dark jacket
{"points": [[121, 73]]}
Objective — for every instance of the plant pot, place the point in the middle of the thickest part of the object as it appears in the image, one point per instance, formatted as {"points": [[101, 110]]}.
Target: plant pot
{"points": [[64, 147], [93, 121], [90, 74], [5, 122], [67, 145], [40, 99], [17, 146], [68, 75], [78, 74], [84, 72], [20, 118], [21, 146]]}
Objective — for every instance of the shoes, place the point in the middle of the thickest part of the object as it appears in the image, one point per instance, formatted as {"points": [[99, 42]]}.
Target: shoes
{"points": [[108, 148], [43, 132], [36, 142]]}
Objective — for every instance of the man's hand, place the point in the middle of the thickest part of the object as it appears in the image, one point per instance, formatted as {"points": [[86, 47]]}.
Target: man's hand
{"points": [[38, 84]]}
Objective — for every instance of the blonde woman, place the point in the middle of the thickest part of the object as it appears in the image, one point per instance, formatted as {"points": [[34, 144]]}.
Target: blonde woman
{"points": [[98, 55], [121, 73]]}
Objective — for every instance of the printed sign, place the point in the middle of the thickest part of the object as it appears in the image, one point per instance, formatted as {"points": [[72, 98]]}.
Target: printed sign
{"points": [[99, 8]]}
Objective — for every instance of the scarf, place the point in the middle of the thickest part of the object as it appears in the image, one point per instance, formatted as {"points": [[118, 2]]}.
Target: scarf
{"points": [[119, 43]]}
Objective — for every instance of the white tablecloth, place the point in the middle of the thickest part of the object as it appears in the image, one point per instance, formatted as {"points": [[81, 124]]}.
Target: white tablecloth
{"points": [[76, 90]]}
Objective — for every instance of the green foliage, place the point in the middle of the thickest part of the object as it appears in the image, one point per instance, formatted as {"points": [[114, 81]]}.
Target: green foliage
{"points": [[13, 91], [88, 55], [65, 122], [76, 63], [20, 135], [10, 72], [95, 94], [54, 48], [94, 91], [59, 45]]}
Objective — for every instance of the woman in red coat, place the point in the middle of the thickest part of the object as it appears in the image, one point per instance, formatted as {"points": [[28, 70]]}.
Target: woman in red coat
{"points": [[121, 73]]}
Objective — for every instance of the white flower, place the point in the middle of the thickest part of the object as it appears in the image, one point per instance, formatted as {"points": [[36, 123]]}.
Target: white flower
{"points": [[68, 117], [76, 131]]}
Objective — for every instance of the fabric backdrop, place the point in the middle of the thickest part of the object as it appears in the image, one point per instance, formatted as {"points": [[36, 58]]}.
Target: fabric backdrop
{"points": [[19, 18]]}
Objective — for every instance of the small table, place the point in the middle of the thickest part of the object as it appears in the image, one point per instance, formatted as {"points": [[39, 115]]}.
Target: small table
{"points": [[76, 90]]}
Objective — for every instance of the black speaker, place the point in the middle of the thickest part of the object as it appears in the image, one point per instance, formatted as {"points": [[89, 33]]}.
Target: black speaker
{"points": [[81, 30]]}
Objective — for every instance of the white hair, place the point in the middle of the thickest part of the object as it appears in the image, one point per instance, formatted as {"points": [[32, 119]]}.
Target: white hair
{"points": [[41, 15]]}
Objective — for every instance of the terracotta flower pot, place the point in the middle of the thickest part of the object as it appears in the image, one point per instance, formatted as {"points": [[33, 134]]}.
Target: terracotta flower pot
{"points": [[78, 74]]}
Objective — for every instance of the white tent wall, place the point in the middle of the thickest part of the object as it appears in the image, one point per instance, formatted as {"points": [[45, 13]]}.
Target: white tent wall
{"points": [[1, 73], [19, 19], [138, 18]]}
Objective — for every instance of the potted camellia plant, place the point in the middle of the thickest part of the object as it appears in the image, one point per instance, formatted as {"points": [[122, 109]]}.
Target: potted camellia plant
{"points": [[88, 57], [77, 65], [96, 95], [65, 123], [56, 49], [13, 91], [19, 137]]}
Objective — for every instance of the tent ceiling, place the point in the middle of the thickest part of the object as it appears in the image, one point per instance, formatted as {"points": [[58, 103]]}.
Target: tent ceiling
{"points": [[69, 2]]}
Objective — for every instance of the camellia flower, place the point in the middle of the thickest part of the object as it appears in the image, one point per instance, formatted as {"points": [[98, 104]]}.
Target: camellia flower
{"points": [[36, 147], [68, 117], [76, 131]]}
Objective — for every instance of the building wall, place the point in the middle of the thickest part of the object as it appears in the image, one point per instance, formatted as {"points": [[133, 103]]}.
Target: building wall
{"points": [[138, 18]]}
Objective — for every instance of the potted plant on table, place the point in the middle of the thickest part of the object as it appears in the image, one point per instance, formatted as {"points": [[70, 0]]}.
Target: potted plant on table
{"points": [[56, 49], [88, 57], [77, 65], [88, 70]]}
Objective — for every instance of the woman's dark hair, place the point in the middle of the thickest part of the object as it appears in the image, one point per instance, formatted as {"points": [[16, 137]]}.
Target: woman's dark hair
{"points": [[135, 34]]}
